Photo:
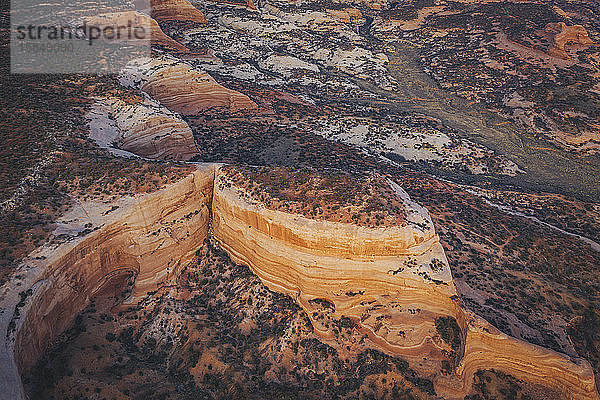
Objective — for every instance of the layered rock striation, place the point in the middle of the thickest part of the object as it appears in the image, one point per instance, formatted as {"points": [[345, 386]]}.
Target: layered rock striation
{"points": [[146, 244], [564, 35], [392, 281], [316, 259], [176, 10], [139, 20], [488, 348], [150, 130], [181, 88]]}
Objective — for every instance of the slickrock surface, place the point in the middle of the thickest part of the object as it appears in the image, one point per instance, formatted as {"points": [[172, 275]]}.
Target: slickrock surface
{"points": [[487, 347], [181, 88], [394, 282], [150, 130], [564, 35], [158, 37], [176, 10], [147, 242]]}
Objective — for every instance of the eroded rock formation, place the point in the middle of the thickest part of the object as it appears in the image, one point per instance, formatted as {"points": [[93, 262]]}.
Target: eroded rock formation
{"points": [[146, 244], [181, 88], [486, 347], [151, 130], [564, 35], [136, 19], [176, 10], [386, 279], [392, 281]]}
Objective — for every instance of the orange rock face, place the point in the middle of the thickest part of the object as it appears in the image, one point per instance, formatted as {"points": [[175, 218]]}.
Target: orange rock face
{"points": [[374, 4], [486, 347], [563, 35], [372, 275], [183, 89], [152, 131], [146, 243], [392, 281], [158, 37], [176, 10]]}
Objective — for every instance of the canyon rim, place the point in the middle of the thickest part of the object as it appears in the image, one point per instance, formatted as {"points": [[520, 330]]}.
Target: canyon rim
{"points": [[301, 200]]}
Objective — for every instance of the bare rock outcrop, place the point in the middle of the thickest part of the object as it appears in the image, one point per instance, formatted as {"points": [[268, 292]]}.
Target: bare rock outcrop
{"points": [[145, 244], [563, 35], [150, 130], [176, 10], [181, 88], [136, 19], [393, 282], [486, 347], [365, 272]]}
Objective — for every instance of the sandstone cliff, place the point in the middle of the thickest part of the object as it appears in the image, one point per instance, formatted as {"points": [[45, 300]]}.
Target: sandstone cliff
{"points": [[150, 130], [564, 35], [393, 268], [176, 10], [486, 347], [393, 281], [137, 19], [146, 244], [181, 88]]}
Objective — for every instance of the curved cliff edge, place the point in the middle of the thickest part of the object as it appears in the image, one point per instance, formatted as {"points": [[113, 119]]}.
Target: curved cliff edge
{"points": [[147, 239], [393, 282]]}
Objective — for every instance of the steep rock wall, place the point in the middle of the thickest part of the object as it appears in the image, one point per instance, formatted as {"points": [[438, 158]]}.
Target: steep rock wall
{"points": [[149, 242], [150, 130], [176, 10], [393, 282], [486, 347], [181, 88], [311, 259]]}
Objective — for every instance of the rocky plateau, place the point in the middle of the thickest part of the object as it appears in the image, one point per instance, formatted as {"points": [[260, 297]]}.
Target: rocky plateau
{"points": [[394, 282], [308, 199]]}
